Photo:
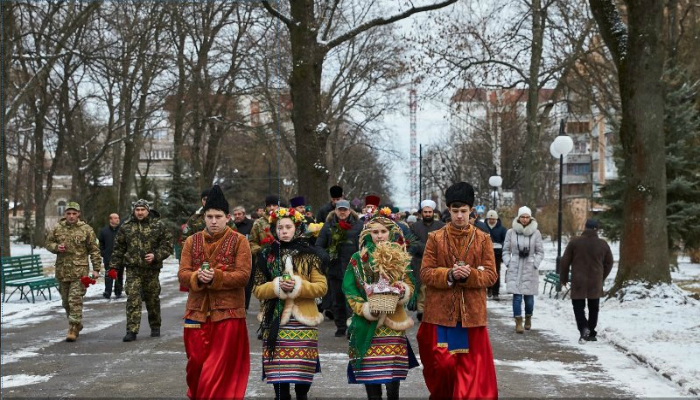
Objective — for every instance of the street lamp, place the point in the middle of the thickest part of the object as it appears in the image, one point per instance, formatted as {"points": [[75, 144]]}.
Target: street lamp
{"points": [[495, 181], [560, 147]]}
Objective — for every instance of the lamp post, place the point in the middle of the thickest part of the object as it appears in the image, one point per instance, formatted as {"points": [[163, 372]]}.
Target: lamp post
{"points": [[561, 146], [496, 181]]}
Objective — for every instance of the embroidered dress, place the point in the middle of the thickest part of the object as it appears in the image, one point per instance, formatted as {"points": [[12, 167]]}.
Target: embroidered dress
{"points": [[388, 358], [295, 359]]}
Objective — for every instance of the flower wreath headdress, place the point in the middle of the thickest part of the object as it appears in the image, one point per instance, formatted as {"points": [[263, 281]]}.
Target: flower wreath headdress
{"points": [[384, 212], [283, 212]]}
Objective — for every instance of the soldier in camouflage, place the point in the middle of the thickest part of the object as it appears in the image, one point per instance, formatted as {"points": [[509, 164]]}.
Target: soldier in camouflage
{"points": [[196, 222], [261, 226], [143, 242], [73, 240]]}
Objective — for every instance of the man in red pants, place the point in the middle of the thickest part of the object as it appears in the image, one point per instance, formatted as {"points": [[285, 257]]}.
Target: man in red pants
{"points": [[215, 334], [458, 265]]}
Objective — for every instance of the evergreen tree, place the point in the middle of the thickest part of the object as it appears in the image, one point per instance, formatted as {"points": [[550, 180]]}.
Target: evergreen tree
{"points": [[183, 199]]}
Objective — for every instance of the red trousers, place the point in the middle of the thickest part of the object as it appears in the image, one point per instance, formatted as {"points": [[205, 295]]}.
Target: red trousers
{"points": [[218, 359], [462, 375]]}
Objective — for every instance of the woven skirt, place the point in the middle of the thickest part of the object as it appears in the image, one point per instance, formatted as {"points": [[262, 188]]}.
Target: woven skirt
{"points": [[295, 359], [388, 359]]}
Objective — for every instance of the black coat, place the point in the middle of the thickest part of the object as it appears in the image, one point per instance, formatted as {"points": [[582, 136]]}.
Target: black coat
{"points": [[324, 211], [420, 231], [337, 267], [244, 227], [106, 238], [498, 237]]}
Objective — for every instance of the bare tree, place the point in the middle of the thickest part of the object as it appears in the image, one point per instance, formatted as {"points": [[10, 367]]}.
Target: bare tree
{"points": [[309, 23], [638, 52]]}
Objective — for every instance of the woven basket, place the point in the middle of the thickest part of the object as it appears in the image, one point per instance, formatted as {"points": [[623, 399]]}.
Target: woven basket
{"points": [[383, 302]]}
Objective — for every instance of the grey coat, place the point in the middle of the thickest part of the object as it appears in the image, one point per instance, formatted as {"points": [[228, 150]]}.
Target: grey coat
{"points": [[522, 276]]}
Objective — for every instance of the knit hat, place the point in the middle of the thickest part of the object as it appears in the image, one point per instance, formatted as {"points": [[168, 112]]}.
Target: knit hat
{"points": [[272, 200], [428, 203], [524, 210], [461, 192], [205, 193], [372, 200], [592, 224], [216, 200], [297, 201], [336, 191], [492, 214], [141, 203]]}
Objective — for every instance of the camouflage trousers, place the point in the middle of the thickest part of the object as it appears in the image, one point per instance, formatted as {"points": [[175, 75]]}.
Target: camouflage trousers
{"points": [[72, 293], [142, 286]]}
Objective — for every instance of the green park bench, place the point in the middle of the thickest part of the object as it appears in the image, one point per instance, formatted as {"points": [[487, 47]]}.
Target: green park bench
{"points": [[26, 275], [552, 279]]}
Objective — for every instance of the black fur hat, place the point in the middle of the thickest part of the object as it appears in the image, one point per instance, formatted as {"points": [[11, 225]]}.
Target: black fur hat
{"points": [[216, 200], [461, 192]]}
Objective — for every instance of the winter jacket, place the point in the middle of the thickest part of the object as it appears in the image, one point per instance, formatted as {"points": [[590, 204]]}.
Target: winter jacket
{"points": [[309, 284], [498, 236], [420, 230], [337, 266], [591, 261], [245, 227], [323, 212], [522, 275], [106, 238], [228, 254], [137, 238], [465, 302], [80, 242]]}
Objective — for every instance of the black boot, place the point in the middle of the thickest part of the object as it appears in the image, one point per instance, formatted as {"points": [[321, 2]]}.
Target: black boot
{"points": [[392, 390], [374, 392], [302, 390], [129, 337], [155, 332]]}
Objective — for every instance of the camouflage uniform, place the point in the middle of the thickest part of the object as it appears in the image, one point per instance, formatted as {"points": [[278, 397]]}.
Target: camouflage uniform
{"points": [[258, 232], [71, 265], [196, 224], [134, 240]]}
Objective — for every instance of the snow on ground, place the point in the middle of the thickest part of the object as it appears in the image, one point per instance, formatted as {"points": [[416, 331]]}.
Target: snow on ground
{"points": [[659, 328], [20, 312], [23, 380]]}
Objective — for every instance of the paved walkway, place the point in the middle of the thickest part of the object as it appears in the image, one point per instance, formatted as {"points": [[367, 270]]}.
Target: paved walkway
{"points": [[99, 364]]}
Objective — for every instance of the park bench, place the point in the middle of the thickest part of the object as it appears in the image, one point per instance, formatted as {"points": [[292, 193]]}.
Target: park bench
{"points": [[552, 279], [26, 275]]}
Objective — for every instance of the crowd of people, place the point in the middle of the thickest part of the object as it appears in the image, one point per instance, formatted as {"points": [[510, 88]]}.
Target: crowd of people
{"points": [[366, 269]]}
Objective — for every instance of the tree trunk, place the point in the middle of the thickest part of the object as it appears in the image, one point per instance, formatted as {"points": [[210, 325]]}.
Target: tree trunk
{"points": [[7, 35], [638, 51], [643, 250], [532, 140], [305, 88]]}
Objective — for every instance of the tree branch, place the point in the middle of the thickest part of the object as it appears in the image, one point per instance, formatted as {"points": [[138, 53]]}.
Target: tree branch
{"points": [[384, 21], [277, 14]]}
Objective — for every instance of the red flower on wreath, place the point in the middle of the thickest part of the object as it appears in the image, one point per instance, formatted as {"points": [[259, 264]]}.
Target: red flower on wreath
{"points": [[344, 225], [112, 273], [87, 281]]}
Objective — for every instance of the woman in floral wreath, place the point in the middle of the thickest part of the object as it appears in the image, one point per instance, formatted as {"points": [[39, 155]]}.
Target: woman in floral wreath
{"points": [[379, 352], [288, 279]]}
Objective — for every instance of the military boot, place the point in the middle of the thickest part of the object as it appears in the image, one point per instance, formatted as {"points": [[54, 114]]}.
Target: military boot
{"points": [[72, 333], [528, 322], [129, 337], [519, 325]]}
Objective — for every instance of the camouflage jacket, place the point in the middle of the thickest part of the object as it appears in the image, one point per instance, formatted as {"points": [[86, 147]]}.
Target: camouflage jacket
{"points": [[196, 224], [137, 238], [80, 242], [259, 231]]}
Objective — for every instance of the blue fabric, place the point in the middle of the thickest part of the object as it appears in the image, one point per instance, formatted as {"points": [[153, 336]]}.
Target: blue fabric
{"points": [[518, 304], [191, 321], [456, 338]]}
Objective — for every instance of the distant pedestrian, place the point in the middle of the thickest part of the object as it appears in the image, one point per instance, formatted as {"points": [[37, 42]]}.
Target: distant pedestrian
{"points": [[421, 229], [498, 236], [522, 254], [336, 193], [106, 239], [244, 225], [590, 261], [299, 204], [74, 242]]}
